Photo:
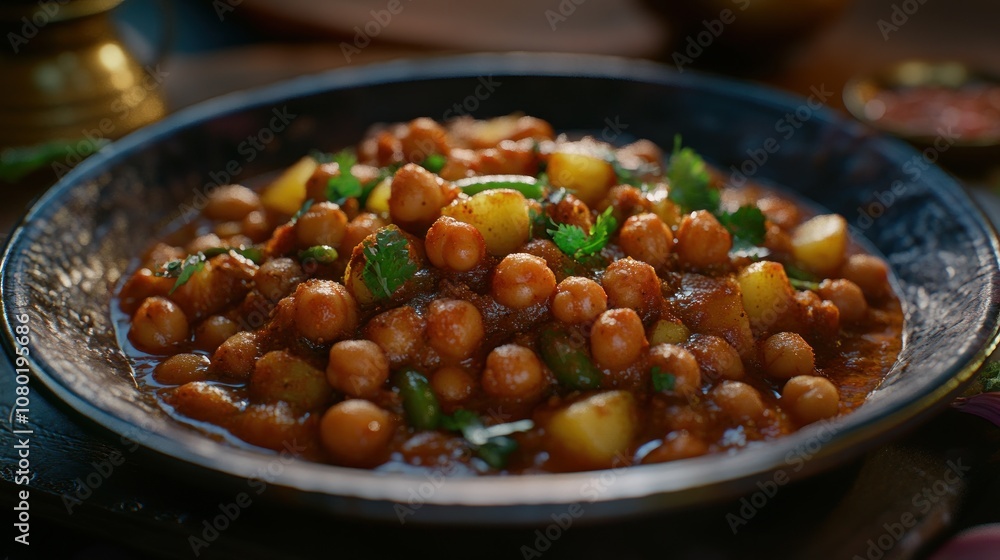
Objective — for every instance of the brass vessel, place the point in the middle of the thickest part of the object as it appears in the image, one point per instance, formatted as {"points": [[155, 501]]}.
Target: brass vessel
{"points": [[67, 76]]}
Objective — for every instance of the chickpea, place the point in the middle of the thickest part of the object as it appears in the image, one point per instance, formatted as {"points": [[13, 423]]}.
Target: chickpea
{"points": [[416, 198], [531, 127], [617, 339], [182, 368], [679, 362], [677, 445], [256, 226], [702, 241], [357, 367], [235, 358], [848, 298], [717, 357], [280, 376], [213, 331], [324, 311], [454, 328], [203, 401], [513, 372], [787, 355], [454, 245], [578, 300], [810, 398], [739, 400], [632, 284], [323, 224], [356, 433], [203, 243], [271, 426], [570, 210], [781, 212], [142, 285], [452, 384], [422, 138], [158, 326], [646, 238], [870, 273], [358, 229], [522, 280], [231, 202], [228, 229], [399, 333], [277, 278]]}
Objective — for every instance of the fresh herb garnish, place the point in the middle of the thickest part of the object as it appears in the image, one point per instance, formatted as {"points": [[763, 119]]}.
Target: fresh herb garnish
{"points": [[574, 242], [800, 279], [387, 262], [991, 377], [690, 184], [690, 188], [434, 163], [795, 273], [323, 254], [528, 186], [305, 208], [662, 381], [345, 185], [631, 176], [492, 444], [184, 269], [747, 225], [803, 284]]}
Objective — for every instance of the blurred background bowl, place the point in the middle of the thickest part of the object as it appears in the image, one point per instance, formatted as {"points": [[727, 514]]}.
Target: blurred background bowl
{"points": [[948, 109], [758, 35]]}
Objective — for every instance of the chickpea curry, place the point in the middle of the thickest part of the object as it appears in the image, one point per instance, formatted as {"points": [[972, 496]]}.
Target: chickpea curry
{"points": [[488, 297]]}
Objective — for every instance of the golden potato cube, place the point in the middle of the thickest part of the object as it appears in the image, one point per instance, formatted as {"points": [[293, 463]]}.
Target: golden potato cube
{"points": [[820, 244], [378, 198], [668, 332], [588, 177], [287, 193], [500, 215], [766, 291], [592, 432]]}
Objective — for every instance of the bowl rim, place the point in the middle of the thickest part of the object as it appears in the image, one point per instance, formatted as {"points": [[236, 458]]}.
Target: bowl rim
{"points": [[486, 499]]}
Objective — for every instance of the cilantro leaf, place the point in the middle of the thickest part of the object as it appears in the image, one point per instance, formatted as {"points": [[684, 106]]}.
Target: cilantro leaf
{"points": [[746, 225], [323, 254], [491, 444], [662, 381], [690, 185], [631, 176], [305, 208], [991, 377], [496, 451], [345, 185], [800, 279], [574, 242], [795, 273], [803, 284], [182, 269], [387, 262]]}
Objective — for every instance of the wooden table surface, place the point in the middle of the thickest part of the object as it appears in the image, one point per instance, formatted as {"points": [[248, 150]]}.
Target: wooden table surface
{"points": [[137, 509]]}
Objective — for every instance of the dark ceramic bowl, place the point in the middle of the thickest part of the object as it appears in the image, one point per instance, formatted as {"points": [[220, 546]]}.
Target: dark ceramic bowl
{"points": [[62, 263]]}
